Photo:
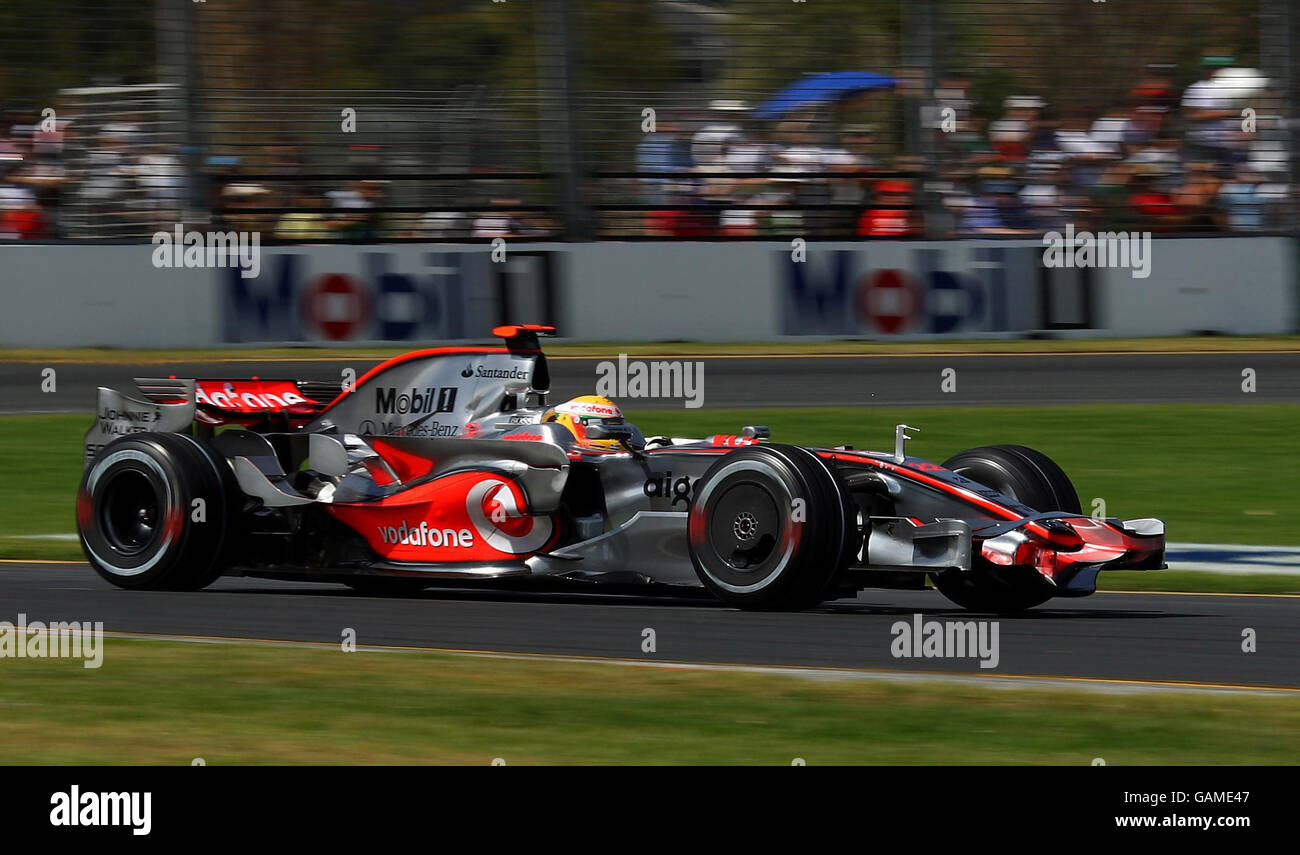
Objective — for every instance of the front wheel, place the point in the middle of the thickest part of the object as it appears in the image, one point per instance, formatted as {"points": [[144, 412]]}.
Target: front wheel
{"points": [[770, 527], [1030, 478]]}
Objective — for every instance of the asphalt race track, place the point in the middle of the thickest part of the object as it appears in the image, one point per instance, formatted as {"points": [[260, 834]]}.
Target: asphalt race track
{"points": [[789, 381], [1193, 639], [1113, 639]]}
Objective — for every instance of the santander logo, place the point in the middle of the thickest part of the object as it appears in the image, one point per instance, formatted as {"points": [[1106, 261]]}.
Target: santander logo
{"points": [[494, 510]]}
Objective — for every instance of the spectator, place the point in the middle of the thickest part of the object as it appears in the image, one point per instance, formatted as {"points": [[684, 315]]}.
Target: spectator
{"points": [[1242, 202], [1114, 132], [304, 226], [1150, 203], [1211, 123], [994, 210], [681, 220], [21, 218], [721, 128], [236, 200], [1043, 197], [1195, 198], [1109, 198], [441, 225], [503, 221], [1013, 134], [663, 151], [892, 215], [1154, 100], [356, 219], [160, 175]]}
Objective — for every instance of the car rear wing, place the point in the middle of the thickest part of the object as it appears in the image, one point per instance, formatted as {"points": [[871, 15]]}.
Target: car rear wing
{"points": [[245, 401], [254, 390]]}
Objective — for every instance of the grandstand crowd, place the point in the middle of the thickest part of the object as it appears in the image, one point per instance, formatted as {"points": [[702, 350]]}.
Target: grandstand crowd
{"points": [[1162, 159]]}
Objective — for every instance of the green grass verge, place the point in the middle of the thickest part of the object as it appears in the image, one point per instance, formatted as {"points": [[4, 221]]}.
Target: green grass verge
{"points": [[1216, 474], [40, 467], [791, 348], [168, 703], [1204, 583]]}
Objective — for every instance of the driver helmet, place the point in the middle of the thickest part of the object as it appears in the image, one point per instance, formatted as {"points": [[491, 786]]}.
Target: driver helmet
{"points": [[579, 412]]}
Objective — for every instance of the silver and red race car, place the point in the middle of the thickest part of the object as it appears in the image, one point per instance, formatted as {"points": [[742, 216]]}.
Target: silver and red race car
{"points": [[447, 466]]}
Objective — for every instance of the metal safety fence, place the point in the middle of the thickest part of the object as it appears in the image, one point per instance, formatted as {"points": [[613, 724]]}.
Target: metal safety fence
{"points": [[344, 120]]}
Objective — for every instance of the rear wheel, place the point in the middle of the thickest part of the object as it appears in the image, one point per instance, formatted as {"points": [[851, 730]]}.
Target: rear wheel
{"points": [[154, 512], [1031, 478], [770, 528]]}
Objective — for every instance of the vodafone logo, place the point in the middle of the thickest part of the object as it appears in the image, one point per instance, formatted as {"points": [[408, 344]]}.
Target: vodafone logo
{"points": [[494, 510], [247, 401], [422, 535], [336, 305], [589, 410]]}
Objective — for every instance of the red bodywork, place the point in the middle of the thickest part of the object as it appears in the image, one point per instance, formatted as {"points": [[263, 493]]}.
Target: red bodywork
{"points": [[248, 402], [459, 517], [1086, 543], [1057, 548]]}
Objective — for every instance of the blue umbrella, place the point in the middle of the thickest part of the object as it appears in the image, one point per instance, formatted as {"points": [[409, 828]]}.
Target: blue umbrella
{"points": [[820, 89]]}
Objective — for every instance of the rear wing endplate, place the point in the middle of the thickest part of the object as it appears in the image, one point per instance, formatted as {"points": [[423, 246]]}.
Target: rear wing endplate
{"points": [[120, 415]]}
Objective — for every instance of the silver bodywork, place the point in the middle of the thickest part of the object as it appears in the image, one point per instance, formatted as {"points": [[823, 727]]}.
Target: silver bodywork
{"points": [[482, 410]]}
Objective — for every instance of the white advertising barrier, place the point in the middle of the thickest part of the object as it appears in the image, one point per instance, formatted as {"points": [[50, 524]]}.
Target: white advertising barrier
{"points": [[102, 296], [663, 291], [114, 296], [924, 289], [70, 296], [1231, 285]]}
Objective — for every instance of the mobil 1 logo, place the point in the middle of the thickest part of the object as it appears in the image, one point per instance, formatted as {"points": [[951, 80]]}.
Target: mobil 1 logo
{"points": [[391, 400]]}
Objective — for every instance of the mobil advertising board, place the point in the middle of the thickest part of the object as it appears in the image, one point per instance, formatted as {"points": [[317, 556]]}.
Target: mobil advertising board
{"points": [[392, 293], [974, 289], [947, 289]]}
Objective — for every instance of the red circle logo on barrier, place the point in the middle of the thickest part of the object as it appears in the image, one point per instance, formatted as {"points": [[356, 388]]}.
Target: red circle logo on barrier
{"points": [[888, 299], [336, 305]]}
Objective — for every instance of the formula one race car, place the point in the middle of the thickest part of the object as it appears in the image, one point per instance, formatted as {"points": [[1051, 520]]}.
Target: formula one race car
{"points": [[446, 466]]}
